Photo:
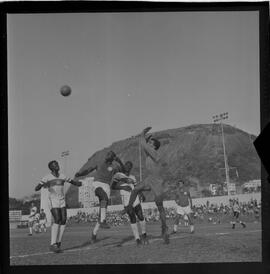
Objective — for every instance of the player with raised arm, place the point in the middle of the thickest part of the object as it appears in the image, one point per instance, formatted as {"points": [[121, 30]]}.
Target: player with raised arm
{"points": [[54, 181], [156, 180], [102, 181], [125, 182], [184, 205], [31, 218]]}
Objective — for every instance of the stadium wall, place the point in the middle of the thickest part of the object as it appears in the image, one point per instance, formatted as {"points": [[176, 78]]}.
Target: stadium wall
{"points": [[168, 204]]}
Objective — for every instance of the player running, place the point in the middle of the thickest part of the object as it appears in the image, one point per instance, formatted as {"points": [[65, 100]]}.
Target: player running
{"points": [[125, 182], [184, 205], [54, 181], [42, 221], [31, 218], [102, 181], [236, 213], [156, 180]]}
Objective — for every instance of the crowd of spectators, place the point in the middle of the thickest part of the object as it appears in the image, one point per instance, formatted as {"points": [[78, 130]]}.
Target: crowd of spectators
{"points": [[209, 213]]}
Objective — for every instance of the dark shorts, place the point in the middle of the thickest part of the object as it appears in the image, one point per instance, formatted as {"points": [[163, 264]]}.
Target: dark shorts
{"points": [[236, 214]]}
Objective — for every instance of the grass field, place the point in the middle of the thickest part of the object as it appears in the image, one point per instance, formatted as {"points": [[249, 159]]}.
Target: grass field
{"points": [[209, 243]]}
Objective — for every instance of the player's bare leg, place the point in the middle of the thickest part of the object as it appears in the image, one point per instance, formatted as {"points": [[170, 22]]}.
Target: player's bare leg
{"points": [[176, 223], [62, 226], [162, 216], [190, 220], [139, 214]]}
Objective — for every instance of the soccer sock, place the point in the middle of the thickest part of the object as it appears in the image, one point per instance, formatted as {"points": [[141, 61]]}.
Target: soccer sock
{"points": [[191, 228], [162, 216], [54, 233], [30, 230], [61, 232], [135, 231], [102, 214], [143, 226], [175, 228], [95, 230]]}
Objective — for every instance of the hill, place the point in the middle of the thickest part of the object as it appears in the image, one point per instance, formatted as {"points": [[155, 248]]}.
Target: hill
{"points": [[195, 153]]}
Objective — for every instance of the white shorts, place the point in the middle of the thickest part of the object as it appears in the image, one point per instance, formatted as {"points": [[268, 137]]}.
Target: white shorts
{"points": [[125, 195], [55, 202], [183, 210], [31, 220], [42, 222], [104, 186]]}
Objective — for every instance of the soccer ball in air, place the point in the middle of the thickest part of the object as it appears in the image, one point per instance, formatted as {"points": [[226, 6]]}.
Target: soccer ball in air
{"points": [[65, 90]]}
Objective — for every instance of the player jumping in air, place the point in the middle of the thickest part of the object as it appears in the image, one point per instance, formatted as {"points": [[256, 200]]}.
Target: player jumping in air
{"points": [[156, 180], [102, 181], [54, 181], [236, 213], [184, 205], [31, 218], [125, 182]]}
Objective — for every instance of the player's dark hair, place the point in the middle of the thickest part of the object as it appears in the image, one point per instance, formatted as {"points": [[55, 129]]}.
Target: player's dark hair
{"points": [[129, 163], [50, 164]]}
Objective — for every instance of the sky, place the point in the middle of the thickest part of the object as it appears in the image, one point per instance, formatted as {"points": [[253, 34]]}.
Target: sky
{"points": [[127, 71]]}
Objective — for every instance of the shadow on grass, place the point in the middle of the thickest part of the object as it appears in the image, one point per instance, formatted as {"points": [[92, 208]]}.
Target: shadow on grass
{"points": [[85, 244]]}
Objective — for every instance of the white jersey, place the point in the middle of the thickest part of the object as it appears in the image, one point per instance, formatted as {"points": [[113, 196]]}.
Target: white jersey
{"points": [[125, 195], [55, 185], [33, 211]]}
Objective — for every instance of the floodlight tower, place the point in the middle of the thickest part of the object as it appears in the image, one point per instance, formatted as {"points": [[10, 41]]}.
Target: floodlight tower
{"points": [[220, 118]]}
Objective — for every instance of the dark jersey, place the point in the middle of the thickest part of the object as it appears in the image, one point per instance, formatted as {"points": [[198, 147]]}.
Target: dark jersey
{"points": [[104, 173], [42, 216], [182, 197]]}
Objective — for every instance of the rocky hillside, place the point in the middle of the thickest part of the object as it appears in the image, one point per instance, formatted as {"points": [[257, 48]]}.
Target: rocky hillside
{"points": [[194, 153]]}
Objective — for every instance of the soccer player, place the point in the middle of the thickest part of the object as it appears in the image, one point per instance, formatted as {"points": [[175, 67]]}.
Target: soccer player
{"points": [[156, 180], [42, 221], [184, 205], [54, 181], [102, 181], [236, 213], [125, 183], [31, 218], [36, 223]]}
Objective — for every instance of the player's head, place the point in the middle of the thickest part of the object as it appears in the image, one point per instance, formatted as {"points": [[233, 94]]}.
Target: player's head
{"points": [[181, 183], [110, 156], [53, 165], [128, 166], [42, 210], [155, 143]]}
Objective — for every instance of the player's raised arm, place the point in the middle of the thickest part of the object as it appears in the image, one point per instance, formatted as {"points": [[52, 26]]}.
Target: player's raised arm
{"points": [[85, 171], [40, 185], [148, 146]]}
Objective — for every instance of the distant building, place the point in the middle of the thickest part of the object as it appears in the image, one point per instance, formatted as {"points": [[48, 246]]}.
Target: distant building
{"points": [[230, 188], [252, 186], [87, 196]]}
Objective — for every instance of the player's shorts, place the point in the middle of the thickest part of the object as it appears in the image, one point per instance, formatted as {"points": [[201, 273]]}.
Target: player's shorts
{"points": [[125, 195], [157, 184], [183, 210], [42, 222], [236, 214], [55, 202], [104, 186], [31, 220]]}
